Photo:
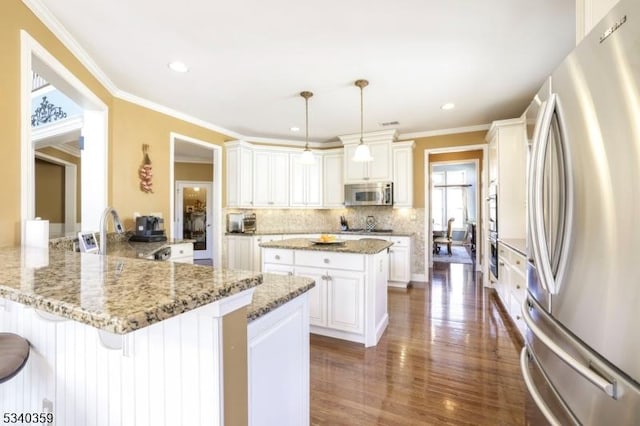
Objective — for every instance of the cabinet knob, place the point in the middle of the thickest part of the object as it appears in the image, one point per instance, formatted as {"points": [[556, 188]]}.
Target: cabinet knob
{"points": [[326, 260], [518, 262], [277, 257], [518, 286], [501, 263], [289, 273]]}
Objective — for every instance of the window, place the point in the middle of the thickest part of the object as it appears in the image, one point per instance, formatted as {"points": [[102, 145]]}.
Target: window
{"points": [[449, 198]]}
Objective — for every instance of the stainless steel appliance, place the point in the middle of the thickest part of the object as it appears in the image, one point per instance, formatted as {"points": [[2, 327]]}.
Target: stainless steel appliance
{"points": [[580, 362], [368, 194], [235, 222], [249, 222], [149, 229]]}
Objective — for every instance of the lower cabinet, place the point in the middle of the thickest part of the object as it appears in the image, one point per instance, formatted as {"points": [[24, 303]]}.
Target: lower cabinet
{"points": [[317, 295], [400, 262], [240, 252], [182, 253], [512, 283], [278, 366]]}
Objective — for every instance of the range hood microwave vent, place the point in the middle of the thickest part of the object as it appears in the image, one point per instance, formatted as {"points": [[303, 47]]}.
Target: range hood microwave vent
{"points": [[368, 194]]}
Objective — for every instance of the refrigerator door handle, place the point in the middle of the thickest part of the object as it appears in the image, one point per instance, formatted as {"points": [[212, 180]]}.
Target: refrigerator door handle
{"points": [[598, 380], [533, 390]]}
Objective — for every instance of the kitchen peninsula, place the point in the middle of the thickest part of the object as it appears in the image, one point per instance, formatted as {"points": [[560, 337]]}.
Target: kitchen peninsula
{"points": [[349, 300], [119, 340]]}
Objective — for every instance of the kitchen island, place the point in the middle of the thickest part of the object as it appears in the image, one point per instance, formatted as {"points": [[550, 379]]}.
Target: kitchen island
{"points": [[121, 340], [349, 300]]}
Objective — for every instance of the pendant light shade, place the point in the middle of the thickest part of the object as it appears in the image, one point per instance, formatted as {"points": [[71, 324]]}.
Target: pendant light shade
{"points": [[307, 156], [362, 154]]}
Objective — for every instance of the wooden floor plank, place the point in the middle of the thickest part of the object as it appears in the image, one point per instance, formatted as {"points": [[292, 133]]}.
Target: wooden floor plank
{"points": [[447, 358]]}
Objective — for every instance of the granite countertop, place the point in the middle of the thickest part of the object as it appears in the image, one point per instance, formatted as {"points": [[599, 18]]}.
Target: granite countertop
{"points": [[138, 249], [390, 234], [517, 244], [276, 290], [366, 246], [112, 293]]}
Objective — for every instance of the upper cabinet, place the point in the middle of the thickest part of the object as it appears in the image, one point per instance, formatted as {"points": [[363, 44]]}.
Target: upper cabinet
{"points": [[589, 13], [402, 155], [507, 171], [332, 179], [306, 182], [239, 173], [270, 178], [378, 170]]}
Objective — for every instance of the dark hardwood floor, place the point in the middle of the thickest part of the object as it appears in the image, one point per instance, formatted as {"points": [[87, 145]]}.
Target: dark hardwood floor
{"points": [[447, 357]]}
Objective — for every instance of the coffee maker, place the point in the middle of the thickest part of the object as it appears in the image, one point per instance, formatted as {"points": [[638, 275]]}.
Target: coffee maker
{"points": [[149, 229]]}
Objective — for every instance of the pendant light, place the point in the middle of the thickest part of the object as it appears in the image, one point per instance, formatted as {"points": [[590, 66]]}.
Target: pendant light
{"points": [[307, 156], [362, 153]]}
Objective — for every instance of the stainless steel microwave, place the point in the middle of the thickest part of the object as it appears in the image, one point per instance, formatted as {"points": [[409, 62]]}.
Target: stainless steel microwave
{"points": [[368, 194]]}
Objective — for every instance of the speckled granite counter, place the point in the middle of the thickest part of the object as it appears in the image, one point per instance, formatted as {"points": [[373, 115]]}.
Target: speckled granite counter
{"points": [[137, 249], [366, 246], [333, 232], [115, 294], [519, 245], [275, 291]]}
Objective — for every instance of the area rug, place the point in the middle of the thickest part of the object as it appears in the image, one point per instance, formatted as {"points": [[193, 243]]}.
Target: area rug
{"points": [[459, 255]]}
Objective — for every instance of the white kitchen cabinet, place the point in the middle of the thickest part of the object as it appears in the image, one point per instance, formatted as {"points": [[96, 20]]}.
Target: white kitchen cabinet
{"points": [[345, 300], [403, 174], [240, 250], [332, 179], [278, 380], [508, 163], [400, 262], [270, 178], [317, 295], [511, 286], [306, 183], [182, 253], [239, 173], [378, 170]]}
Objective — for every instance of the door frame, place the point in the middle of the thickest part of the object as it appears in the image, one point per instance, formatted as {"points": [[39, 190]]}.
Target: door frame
{"points": [[70, 200], [179, 219], [95, 131], [216, 222], [482, 179]]}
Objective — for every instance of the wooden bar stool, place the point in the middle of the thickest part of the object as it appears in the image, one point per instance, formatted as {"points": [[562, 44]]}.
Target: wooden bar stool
{"points": [[14, 352]]}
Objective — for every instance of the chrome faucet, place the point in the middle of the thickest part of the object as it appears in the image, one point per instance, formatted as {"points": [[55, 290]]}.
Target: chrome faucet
{"points": [[103, 227]]}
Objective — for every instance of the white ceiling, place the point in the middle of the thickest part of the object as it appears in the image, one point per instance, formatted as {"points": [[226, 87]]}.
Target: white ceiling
{"points": [[249, 59]]}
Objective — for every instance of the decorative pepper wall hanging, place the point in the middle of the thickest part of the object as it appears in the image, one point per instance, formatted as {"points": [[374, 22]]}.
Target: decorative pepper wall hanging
{"points": [[145, 171]]}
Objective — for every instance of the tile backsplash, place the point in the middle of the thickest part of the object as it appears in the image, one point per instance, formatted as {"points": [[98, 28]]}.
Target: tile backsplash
{"points": [[410, 221]]}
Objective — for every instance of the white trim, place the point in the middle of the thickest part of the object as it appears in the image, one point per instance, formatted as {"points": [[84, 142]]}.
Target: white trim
{"points": [[56, 128], [180, 185], [71, 150], [441, 132], [501, 124], [134, 99], [216, 223], [369, 137], [481, 179], [42, 91], [191, 160], [273, 141]]}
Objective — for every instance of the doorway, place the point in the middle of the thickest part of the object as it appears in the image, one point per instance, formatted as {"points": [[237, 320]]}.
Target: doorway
{"points": [[194, 216], [458, 154], [197, 213]]}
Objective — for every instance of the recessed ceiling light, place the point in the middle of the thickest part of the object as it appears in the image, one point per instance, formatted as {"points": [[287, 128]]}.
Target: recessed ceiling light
{"points": [[178, 66], [448, 106], [295, 129]]}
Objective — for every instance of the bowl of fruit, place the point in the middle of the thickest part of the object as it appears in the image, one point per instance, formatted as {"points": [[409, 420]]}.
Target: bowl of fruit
{"points": [[327, 239]]}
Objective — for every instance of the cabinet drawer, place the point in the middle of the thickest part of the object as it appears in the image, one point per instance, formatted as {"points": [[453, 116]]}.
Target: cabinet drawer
{"points": [[278, 256], [181, 250], [400, 241], [519, 263], [515, 311], [518, 284], [323, 259]]}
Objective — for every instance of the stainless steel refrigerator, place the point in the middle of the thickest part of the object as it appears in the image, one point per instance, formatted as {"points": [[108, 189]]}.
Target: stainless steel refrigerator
{"points": [[581, 361]]}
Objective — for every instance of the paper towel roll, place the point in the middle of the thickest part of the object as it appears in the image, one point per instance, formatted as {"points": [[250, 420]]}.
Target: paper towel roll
{"points": [[37, 233]]}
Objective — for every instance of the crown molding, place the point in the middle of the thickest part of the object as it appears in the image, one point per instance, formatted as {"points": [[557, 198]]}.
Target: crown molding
{"points": [[390, 135], [442, 132], [56, 27], [191, 160], [288, 142]]}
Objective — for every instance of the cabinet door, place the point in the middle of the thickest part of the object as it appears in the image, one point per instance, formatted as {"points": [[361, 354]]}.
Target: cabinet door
{"points": [[240, 253], [399, 264], [257, 250], [380, 168], [353, 171], [317, 295], [261, 180], [245, 184], [403, 177], [345, 300], [314, 184], [333, 182], [233, 177], [306, 183], [279, 179]]}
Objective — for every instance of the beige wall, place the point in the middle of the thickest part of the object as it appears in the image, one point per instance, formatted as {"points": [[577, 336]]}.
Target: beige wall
{"points": [[49, 191], [56, 153], [130, 126], [193, 171], [434, 142]]}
